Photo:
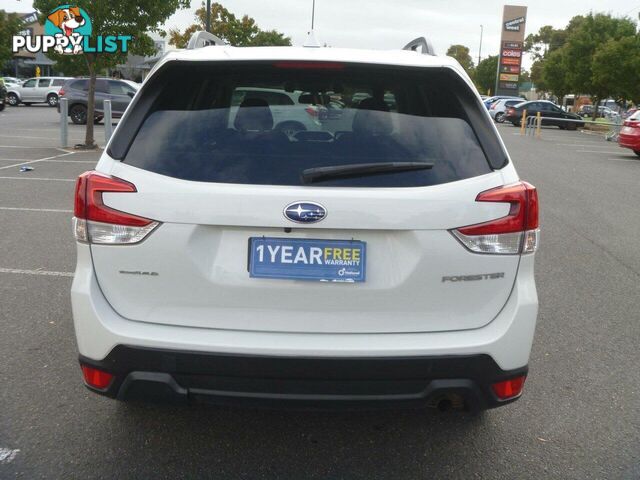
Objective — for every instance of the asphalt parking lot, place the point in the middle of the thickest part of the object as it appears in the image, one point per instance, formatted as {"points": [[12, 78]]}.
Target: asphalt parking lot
{"points": [[579, 417]]}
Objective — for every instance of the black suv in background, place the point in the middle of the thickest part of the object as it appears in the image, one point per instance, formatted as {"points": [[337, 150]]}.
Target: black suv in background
{"points": [[120, 92], [551, 114]]}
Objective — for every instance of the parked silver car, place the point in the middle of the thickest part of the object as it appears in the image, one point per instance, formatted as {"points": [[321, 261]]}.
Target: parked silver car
{"points": [[499, 107], [36, 90]]}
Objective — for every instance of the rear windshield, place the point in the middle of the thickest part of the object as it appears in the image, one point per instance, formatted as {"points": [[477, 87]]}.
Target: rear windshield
{"points": [[271, 124]]}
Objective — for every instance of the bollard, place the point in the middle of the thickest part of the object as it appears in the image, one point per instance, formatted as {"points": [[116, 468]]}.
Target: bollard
{"points": [[108, 125], [523, 121], [538, 124], [64, 121]]}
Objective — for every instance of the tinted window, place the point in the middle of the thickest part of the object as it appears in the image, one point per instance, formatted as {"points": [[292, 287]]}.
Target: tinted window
{"points": [[217, 124], [58, 82], [30, 83], [80, 85], [44, 82], [119, 88]]}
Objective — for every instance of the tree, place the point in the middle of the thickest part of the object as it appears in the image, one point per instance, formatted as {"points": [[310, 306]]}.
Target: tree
{"points": [[10, 25], [113, 17], [583, 40], [239, 32], [461, 54], [485, 74], [555, 74], [616, 66]]}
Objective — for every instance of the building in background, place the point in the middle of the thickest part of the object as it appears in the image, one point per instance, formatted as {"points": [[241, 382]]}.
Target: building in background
{"points": [[23, 64]]}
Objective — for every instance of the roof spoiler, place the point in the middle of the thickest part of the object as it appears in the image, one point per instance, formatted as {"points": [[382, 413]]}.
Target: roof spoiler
{"points": [[203, 39], [426, 48]]}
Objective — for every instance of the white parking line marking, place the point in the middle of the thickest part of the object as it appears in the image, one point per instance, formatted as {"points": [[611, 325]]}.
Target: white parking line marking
{"points": [[598, 151], [590, 145], [36, 272], [38, 160], [22, 209], [39, 178], [33, 148], [7, 455]]}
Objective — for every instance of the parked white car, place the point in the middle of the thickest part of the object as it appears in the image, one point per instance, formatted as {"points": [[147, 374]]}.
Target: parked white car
{"points": [[36, 90], [498, 108], [386, 257], [292, 111]]}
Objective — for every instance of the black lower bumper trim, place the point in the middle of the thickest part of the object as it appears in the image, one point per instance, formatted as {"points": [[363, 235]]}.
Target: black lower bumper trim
{"points": [[183, 377]]}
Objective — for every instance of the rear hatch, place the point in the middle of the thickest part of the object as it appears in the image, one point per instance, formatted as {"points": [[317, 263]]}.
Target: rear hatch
{"points": [[218, 192]]}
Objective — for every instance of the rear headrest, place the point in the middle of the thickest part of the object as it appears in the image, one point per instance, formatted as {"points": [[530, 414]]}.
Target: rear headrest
{"points": [[254, 114], [372, 118]]}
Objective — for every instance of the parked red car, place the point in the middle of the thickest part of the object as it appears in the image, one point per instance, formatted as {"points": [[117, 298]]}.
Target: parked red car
{"points": [[630, 134]]}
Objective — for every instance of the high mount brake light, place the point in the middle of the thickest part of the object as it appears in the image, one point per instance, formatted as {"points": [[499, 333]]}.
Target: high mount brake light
{"points": [[94, 222], [515, 233], [310, 65]]}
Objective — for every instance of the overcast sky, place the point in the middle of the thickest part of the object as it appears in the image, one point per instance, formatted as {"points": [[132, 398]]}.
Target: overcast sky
{"points": [[384, 24]]}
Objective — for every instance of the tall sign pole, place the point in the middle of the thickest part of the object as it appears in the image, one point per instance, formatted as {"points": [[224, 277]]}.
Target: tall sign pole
{"points": [[209, 16], [480, 49], [514, 19]]}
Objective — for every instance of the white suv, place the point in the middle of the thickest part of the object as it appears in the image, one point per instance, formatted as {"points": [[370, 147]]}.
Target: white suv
{"points": [[386, 257]]}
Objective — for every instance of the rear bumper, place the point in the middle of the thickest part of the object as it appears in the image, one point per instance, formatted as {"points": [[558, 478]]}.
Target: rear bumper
{"points": [[629, 141], [186, 377]]}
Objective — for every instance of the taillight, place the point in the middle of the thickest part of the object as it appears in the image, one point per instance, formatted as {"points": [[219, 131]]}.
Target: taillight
{"points": [[515, 233], [509, 389], [96, 378], [61, 92], [94, 222], [493, 106], [511, 111]]}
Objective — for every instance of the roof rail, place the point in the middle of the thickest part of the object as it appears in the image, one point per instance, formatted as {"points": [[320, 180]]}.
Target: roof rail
{"points": [[203, 39], [425, 46]]}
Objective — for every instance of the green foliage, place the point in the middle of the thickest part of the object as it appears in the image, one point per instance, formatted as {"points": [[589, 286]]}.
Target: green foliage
{"points": [[485, 74], [10, 25], [461, 54], [596, 54], [113, 17], [616, 68], [239, 32]]}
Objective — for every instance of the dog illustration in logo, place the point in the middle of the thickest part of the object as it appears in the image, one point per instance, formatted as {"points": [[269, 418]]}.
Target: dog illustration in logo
{"points": [[67, 20]]}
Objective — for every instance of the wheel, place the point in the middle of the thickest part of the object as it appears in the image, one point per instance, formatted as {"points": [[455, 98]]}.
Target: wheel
{"points": [[500, 117], [52, 99], [1, 107], [572, 126], [78, 114], [562, 127], [290, 128], [517, 123], [13, 100], [637, 152], [97, 120]]}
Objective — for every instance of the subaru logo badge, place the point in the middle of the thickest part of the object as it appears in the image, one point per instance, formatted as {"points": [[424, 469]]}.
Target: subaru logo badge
{"points": [[305, 212]]}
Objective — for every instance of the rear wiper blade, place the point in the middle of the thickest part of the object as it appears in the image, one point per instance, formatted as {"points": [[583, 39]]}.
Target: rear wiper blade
{"points": [[318, 174]]}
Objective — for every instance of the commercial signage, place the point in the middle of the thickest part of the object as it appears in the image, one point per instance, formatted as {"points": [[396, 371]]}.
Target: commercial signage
{"points": [[514, 25], [509, 69], [512, 45], [508, 77], [514, 20]]}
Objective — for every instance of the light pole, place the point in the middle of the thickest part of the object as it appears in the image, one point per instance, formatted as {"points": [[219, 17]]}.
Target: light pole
{"points": [[313, 13], [208, 16], [480, 49]]}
